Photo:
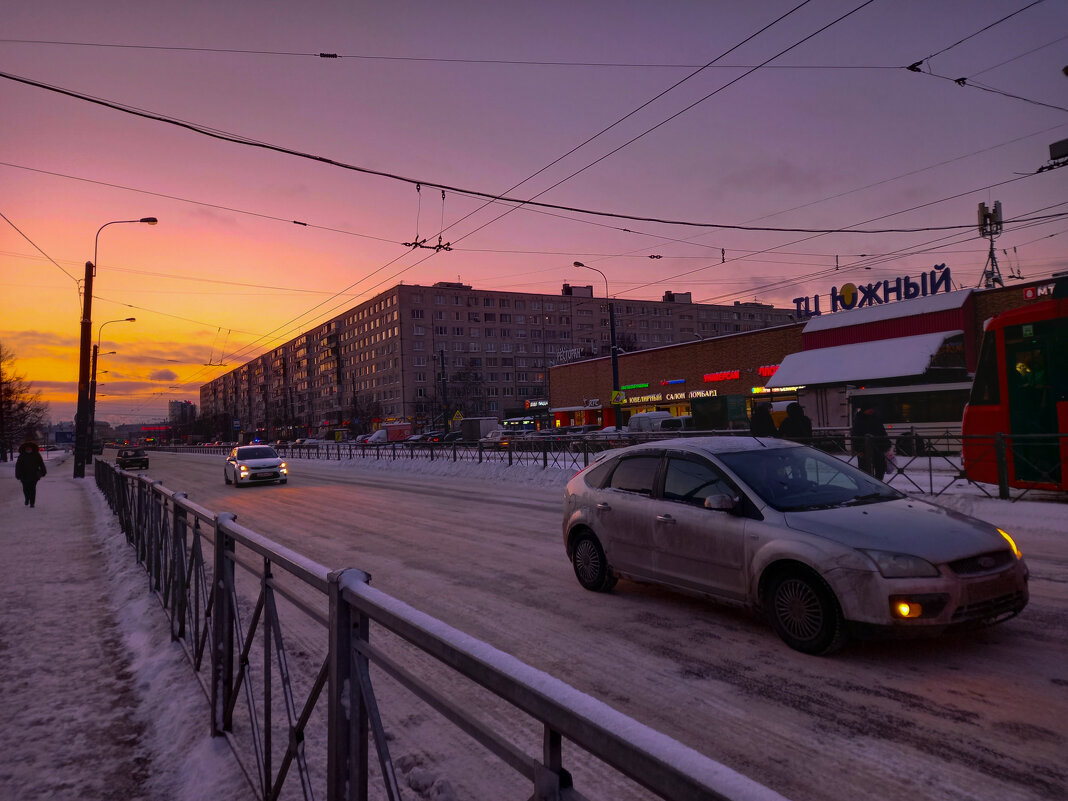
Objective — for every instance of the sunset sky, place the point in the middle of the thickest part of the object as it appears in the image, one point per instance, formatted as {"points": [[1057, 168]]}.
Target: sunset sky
{"points": [[784, 131]]}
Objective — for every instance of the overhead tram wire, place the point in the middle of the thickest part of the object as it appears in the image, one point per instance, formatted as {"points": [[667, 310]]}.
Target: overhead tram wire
{"points": [[915, 249], [689, 107], [873, 219], [619, 121], [982, 30]]}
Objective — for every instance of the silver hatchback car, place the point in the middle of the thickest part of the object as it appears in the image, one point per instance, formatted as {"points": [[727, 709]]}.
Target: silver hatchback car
{"points": [[821, 548]]}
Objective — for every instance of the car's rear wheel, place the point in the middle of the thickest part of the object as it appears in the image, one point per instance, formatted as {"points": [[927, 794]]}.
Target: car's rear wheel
{"points": [[591, 565], [805, 612]]}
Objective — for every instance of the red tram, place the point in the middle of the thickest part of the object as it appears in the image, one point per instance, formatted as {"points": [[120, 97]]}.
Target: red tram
{"points": [[1021, 391]]}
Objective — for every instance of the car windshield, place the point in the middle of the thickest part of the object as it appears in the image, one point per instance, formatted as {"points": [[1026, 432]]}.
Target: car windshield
{"points": [[802, 479], [262, 452]]}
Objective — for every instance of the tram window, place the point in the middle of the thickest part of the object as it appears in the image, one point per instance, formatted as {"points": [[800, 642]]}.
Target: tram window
{"points": [[986, 389]]}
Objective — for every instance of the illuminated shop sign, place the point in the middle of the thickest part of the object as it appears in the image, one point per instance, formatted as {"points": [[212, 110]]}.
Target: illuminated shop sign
{"points": [[661, 397], [767, 371], [851, 296], [635, 386], [535, 404], [769, 390], [666, 382], [724, 375]]}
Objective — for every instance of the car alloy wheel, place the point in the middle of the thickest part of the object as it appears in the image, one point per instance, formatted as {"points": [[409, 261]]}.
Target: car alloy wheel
{"points": [[591, 566], [805, 613]]}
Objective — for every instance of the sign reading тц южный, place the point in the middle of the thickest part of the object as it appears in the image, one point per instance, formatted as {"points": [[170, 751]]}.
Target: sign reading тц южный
{"points": [[851, 296]]}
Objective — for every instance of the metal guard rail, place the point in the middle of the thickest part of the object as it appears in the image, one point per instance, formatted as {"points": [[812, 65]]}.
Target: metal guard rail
{"points": [[930, 469], [197, 588]]}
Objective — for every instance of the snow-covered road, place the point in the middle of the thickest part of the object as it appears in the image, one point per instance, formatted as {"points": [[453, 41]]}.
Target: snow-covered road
{"points": [[977, 716]]}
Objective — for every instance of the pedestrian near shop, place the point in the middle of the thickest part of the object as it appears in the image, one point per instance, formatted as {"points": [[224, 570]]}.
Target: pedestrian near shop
{"points": [[796, 426], [761, 423], [869, 440], [29, 469]]}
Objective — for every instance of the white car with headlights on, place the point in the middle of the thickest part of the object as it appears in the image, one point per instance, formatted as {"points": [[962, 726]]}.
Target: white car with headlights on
{"points": [[254, 464], [821, 548]]}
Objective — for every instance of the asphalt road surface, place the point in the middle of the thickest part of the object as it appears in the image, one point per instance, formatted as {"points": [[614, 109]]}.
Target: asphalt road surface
{"points": [[977, 716]]}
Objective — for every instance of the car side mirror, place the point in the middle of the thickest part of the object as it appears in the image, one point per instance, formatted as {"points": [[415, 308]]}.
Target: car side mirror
{"points": [[721, 503]]}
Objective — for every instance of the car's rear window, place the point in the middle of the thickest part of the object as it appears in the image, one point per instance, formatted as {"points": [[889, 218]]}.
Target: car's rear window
{"points": [[636, 474]]}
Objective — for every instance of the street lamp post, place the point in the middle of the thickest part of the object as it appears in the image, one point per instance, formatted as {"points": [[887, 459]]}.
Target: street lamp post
{"points": [[92, 380], [612, 337], [82, 444]]}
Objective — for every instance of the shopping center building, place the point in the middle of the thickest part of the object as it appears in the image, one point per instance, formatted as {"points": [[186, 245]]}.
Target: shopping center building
{"points": [[909, 344]]}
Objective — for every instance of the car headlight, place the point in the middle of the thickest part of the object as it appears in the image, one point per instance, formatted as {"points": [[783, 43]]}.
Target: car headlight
{"points": [[902, 565], [1011, 542]]}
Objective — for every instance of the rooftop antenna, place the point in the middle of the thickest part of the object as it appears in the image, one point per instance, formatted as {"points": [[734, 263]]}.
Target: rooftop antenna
{"points": [[990, 226]]}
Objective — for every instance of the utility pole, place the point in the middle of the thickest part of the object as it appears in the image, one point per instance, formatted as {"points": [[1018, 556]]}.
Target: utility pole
{"points": [[444, 391], [82, 443]]}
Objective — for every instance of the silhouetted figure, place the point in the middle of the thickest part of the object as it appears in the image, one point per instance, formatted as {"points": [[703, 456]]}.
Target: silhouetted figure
{"points": [[796, 425], [29, 469], [869, 440], [761, 424]]}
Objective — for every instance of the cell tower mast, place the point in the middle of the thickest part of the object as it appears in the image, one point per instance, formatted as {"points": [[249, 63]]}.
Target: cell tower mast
{"points": [[990, 226]]}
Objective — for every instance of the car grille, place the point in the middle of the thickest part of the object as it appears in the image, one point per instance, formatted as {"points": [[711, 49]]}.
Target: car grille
{"points": [[991, 608], [983, 563]]}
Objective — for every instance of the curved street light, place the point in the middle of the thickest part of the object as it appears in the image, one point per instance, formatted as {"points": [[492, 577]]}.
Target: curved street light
{"points": [[82, 443], [612, 335], [92, 380]]}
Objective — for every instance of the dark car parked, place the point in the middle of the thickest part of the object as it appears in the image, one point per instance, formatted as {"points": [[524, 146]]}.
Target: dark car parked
{"points": [[132, 459]]}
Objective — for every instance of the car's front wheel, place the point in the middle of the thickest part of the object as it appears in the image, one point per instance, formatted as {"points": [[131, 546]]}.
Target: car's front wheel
{"points": [[591, 565], [805, 612], [226, 477]]}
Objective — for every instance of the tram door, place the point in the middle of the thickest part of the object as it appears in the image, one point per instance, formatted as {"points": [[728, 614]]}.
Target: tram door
{"points": [[1032, 351]]}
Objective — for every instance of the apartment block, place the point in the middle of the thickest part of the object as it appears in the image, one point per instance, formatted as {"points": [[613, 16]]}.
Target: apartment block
{"points": [[426, 353]]}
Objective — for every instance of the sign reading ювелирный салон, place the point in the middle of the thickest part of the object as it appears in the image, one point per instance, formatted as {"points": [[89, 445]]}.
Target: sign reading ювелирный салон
{"points": [[853, 296]]}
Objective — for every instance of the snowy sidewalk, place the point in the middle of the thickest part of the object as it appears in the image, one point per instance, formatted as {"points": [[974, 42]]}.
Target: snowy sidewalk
{"points": [[96, 702]]}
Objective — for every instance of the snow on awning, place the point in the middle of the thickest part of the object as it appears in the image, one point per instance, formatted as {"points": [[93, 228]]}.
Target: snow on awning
{"points": [[862, 361], [889, 311]]}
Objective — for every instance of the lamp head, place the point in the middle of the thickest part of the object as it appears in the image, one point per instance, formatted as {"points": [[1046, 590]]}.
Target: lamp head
{"points": [[579, 264], [130, 320], [149, 220]]}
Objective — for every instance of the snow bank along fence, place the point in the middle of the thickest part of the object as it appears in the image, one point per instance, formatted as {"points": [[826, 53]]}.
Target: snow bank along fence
{"points": [[192, 557], [927, 463]]}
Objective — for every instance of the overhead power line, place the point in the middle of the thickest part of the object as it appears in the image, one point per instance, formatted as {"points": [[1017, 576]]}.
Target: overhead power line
{"points": [[449, 188], [38, 249], [981, 30], [441, 60]]}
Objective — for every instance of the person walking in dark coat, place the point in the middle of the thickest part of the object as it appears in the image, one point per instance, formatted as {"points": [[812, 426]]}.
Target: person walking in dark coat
{"points": [[870, 442], [796, 425], [761, 424], [29, 469]]}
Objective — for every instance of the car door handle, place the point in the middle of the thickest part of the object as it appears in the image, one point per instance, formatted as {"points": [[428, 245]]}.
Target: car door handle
{"points": [[665, 519], [604, 507]]}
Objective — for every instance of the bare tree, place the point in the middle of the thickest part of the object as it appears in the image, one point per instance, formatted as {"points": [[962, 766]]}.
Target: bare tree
{"points": [[22, 412]]}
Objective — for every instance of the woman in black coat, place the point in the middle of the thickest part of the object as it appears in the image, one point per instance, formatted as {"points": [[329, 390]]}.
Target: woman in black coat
{"points": [[29, 469]]}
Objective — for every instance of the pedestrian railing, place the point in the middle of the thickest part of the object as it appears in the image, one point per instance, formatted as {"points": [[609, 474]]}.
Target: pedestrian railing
{"points": [[302, 719], [926, 463]]}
